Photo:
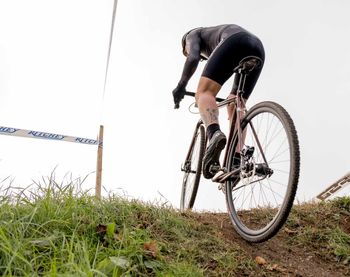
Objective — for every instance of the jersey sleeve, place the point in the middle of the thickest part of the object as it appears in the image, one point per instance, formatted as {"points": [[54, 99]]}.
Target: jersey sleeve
{"points": [[193, 48]]}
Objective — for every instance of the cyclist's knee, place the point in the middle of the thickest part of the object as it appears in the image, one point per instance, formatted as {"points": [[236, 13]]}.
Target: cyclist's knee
{"points": [[206, 96], [205, 93], [207, 85]]}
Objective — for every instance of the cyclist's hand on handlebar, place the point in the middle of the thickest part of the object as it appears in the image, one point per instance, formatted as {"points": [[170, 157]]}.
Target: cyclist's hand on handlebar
{"points": [[178, 94]]}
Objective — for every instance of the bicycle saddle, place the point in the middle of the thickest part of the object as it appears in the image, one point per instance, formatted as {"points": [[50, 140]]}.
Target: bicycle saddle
{"points": [[248, 64]]}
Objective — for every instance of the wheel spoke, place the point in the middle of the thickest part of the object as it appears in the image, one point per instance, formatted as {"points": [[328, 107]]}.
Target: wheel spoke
{"points": [[254, 191]]}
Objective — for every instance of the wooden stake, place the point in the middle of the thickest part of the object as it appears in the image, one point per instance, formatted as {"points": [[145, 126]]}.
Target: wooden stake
{"points": [[99, 163]]}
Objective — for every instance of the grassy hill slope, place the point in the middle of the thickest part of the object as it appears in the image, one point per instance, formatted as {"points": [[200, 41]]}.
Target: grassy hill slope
{"points": [[58, 232]]}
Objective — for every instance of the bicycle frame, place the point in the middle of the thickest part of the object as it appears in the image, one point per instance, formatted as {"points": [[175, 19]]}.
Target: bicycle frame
{"points": [[235, 125]]}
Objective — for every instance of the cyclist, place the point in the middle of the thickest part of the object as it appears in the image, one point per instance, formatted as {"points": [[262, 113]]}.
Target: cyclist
{"points": [[224, 46]]}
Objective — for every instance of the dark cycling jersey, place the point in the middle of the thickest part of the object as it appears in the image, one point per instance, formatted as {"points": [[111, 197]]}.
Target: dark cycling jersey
{"points": [[224, 46]]}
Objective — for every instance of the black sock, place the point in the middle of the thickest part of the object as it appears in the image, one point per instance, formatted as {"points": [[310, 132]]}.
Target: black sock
{"points": [[211, 129]]}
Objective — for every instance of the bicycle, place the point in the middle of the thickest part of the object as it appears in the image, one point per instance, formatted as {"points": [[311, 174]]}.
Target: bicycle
{"points": [[260, 167]]}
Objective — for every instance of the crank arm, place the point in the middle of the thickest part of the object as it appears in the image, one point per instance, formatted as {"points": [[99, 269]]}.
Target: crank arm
{"points": [[223, 177]]}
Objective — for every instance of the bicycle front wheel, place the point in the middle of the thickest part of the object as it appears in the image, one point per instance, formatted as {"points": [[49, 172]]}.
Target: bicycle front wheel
{"points": [[260, 199], [192, 169]]}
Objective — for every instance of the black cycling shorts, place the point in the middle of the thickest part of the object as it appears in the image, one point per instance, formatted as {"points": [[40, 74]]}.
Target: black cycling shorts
{"points": [[227, 56]]}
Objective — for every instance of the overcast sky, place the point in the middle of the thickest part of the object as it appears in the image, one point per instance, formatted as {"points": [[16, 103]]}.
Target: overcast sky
{"points": [[53, 58]]}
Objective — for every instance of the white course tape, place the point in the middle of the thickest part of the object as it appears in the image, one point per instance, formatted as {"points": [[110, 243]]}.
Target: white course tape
{"points": [[332, 189], [43, 135]]}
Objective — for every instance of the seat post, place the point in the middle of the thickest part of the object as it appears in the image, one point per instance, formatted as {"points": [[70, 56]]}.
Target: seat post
{"points": [[241, 82]]}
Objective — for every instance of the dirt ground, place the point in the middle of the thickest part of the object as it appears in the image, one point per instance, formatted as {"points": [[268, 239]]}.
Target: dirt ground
{"points": [[279, 258]]}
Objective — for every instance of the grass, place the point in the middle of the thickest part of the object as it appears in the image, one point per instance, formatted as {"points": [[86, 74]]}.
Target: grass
{"points": [[54, 229], [59, 231], [323, 227]]}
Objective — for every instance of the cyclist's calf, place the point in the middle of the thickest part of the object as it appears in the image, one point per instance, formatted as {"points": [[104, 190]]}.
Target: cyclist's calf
{"points": [[205, 98]]}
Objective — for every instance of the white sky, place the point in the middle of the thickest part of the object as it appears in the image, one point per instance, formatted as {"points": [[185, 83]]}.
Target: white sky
{"points": [[53, 57]]}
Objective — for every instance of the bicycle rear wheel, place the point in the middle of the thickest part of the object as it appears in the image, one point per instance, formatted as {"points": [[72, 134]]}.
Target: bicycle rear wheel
{"points": [[192, 169], [260, 199]]}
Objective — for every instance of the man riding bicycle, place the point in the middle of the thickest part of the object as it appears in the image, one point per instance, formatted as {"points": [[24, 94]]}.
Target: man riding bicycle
{"points": [[224, 46]]}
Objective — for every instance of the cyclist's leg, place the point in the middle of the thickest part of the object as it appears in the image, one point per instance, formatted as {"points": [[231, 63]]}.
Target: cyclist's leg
{"points": [[217, 71], [230, 108], [249, 46], [205, 98]]}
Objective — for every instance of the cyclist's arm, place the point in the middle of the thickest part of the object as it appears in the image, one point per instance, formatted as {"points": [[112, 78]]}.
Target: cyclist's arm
{"points": [[193, 49]]}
